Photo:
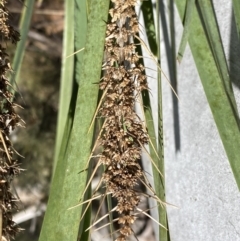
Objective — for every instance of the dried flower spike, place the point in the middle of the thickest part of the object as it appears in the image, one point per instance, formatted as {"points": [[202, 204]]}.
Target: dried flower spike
{"points": [[123, 133]]}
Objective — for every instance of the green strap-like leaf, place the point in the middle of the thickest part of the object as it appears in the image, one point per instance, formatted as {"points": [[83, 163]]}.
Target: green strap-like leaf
{"points": [[187, 20], [236, 9], [156, 151], [24, 27], [164, 235], [68, 184], [82, 9], [218, 99], [66, 75], [147, 10], [214, 38]]}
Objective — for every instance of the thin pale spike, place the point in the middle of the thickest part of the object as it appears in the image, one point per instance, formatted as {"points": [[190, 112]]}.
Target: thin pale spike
{"points": [[105, 225], [100, 219], [150, 68], [89, 200], [150, 196], [90, 157], [98, 107], [5, 147], [141, 30], [151, 159], [99, 183], [17, 153], [75, 52], [85, 210], [154, 194], [149, 187], [151, 77], [140, 210], [18, 106], [97, 156], [95, 145], [90, 179], [100, 206], [145, 57], [145, 46]]}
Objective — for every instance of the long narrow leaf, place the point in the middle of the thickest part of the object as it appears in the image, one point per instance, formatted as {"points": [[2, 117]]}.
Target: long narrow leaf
{"points": [[24, 27], [66, 75], [158, 179], [82, 9], [68, 184], [164, 234], [82, 13], [214, 38], [147, 10], [187, 20], [156, 151], [236, 9], [220, 104]]}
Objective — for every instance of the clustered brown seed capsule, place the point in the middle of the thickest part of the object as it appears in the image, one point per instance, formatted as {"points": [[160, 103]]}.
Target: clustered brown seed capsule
{"points": [[6, 30], [123, 133], [9, 119]]}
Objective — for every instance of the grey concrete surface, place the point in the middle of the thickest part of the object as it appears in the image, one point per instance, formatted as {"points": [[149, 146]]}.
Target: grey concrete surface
{"points": [[198, 176]]}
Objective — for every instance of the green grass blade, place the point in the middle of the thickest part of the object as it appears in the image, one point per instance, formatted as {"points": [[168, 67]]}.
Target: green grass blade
{"points": [[153, 35], [164, 235], [236, 9], [66, 76], [82, 9], [68, 184], [151, 133], [86, 221], [219, 102], [172, 66], [187, 20], [147, 10], [159, 183], [158, 180], [214, 38], [24, 27]]}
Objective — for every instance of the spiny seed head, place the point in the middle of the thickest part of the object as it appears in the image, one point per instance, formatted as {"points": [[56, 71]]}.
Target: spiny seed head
{"points": [[6, 30], [123, 133]]}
